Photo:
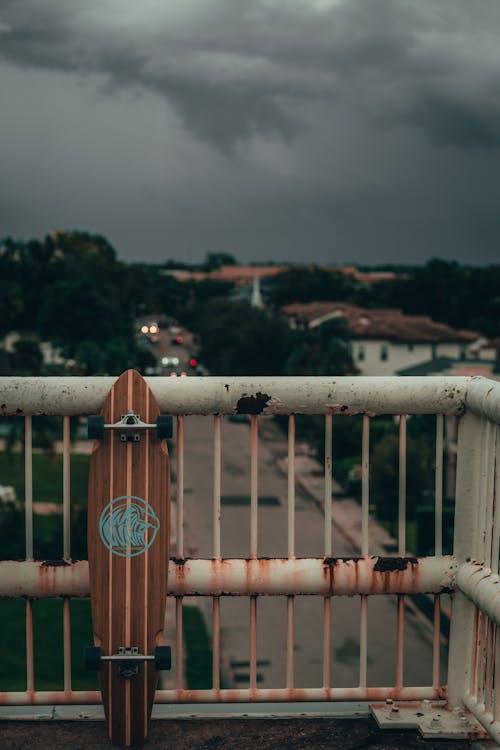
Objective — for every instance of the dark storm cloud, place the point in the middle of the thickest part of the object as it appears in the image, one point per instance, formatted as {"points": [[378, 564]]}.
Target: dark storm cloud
{"points": [[237, 70]]}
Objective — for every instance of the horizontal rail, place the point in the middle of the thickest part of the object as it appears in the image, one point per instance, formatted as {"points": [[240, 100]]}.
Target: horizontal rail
{"points": [[238, 577], [482, 587], [242, 695], [71, 396]]}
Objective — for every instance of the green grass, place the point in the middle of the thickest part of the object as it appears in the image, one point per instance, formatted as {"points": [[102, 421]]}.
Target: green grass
{"points": [[198, 661], [47, 476], [48, 644]]}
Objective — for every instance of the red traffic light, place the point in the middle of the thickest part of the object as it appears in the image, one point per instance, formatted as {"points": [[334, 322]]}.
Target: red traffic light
{"points": [[193, 362]]}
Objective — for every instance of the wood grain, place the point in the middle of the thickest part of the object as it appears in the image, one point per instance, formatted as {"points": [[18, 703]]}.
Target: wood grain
{"points": [[128, 593]]}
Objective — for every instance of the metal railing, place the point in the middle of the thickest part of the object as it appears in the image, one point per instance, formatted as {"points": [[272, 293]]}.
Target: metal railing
{"points": [[471, 573]]}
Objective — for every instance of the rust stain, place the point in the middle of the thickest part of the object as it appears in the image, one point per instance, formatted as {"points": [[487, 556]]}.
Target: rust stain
{"points": [[252, 404]]}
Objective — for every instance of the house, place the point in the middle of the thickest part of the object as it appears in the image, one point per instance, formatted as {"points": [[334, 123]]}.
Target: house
{"points": [[385, 341], [489, 368]]}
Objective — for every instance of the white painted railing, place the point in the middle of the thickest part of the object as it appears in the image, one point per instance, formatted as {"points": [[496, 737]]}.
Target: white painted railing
{"points": [[472, 571]]}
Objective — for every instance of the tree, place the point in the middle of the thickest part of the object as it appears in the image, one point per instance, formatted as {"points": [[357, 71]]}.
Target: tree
{"points": [[213, 261], [420, 459], [26, 357], [237, 339], [322, 351], [306, 284]]}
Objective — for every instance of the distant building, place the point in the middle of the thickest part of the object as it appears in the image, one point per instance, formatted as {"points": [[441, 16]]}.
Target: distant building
{"points": [[385, 341], [488, 368], [245, 275], [51, 354], [256, 300]]}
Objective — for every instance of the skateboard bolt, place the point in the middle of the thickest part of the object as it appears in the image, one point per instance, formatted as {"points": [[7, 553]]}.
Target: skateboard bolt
{"points": [[436, 721]]}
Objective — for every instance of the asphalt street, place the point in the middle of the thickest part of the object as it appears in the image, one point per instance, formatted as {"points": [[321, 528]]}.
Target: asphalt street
{"points": [[272, 542]]}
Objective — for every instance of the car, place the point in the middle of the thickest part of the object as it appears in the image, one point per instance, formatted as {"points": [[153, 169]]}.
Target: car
{"points": [[151, 329]]}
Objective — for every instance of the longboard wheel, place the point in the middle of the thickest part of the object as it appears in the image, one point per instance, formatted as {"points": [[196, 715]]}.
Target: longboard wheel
{"points": [[163, 657], [92, 657], [164, 426], [95, 427]]}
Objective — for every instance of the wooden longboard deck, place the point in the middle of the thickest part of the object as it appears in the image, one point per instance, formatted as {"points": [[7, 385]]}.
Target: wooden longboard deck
{"points": [[128, 543]]}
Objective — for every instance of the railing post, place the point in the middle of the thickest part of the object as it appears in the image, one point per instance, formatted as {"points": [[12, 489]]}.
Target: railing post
{"points": [[470, 522]]}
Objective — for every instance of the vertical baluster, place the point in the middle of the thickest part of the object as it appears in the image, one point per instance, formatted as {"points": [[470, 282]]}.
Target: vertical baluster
{"points": [[365, 496], [67, 642], [254, 487], [253, 642], [180, 488], [290, 600], [217, 488], [496, 495], [179, 643], [30, 650], [438, 492], [66, 489], [327, 641], [254, 500], [179, 600], [438, 549], [216, 643], [436, 643], [328, 486], [327, 551], [365, 485], [28, 485], [401, 547], [216, 551], [291, 486], [402, 487]]}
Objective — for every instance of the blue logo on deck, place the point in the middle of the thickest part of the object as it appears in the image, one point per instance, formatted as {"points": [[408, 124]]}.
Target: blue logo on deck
{"points": [[128, 526]]}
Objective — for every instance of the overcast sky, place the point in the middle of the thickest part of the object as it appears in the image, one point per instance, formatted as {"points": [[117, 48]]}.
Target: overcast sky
{"points": [[336, 131]]}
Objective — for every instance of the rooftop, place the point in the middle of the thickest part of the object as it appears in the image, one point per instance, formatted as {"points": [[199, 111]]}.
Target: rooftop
{"points": [[450, 366], [377, 323]]}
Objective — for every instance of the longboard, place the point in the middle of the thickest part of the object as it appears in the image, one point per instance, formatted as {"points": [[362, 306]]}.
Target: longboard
{"points": [[128, 547]]}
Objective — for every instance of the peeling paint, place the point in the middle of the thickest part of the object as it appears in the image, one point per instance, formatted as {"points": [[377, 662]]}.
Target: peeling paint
{"points": [[385, 564], [252, 404]]}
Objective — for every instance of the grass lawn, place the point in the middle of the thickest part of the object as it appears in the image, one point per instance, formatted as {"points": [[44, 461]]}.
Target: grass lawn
{"points": [[47, 477], [48, 630], [198, 656], [48, 645]]}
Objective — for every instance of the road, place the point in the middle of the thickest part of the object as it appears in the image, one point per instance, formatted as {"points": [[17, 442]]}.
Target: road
{"points": [[272, 542]]}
